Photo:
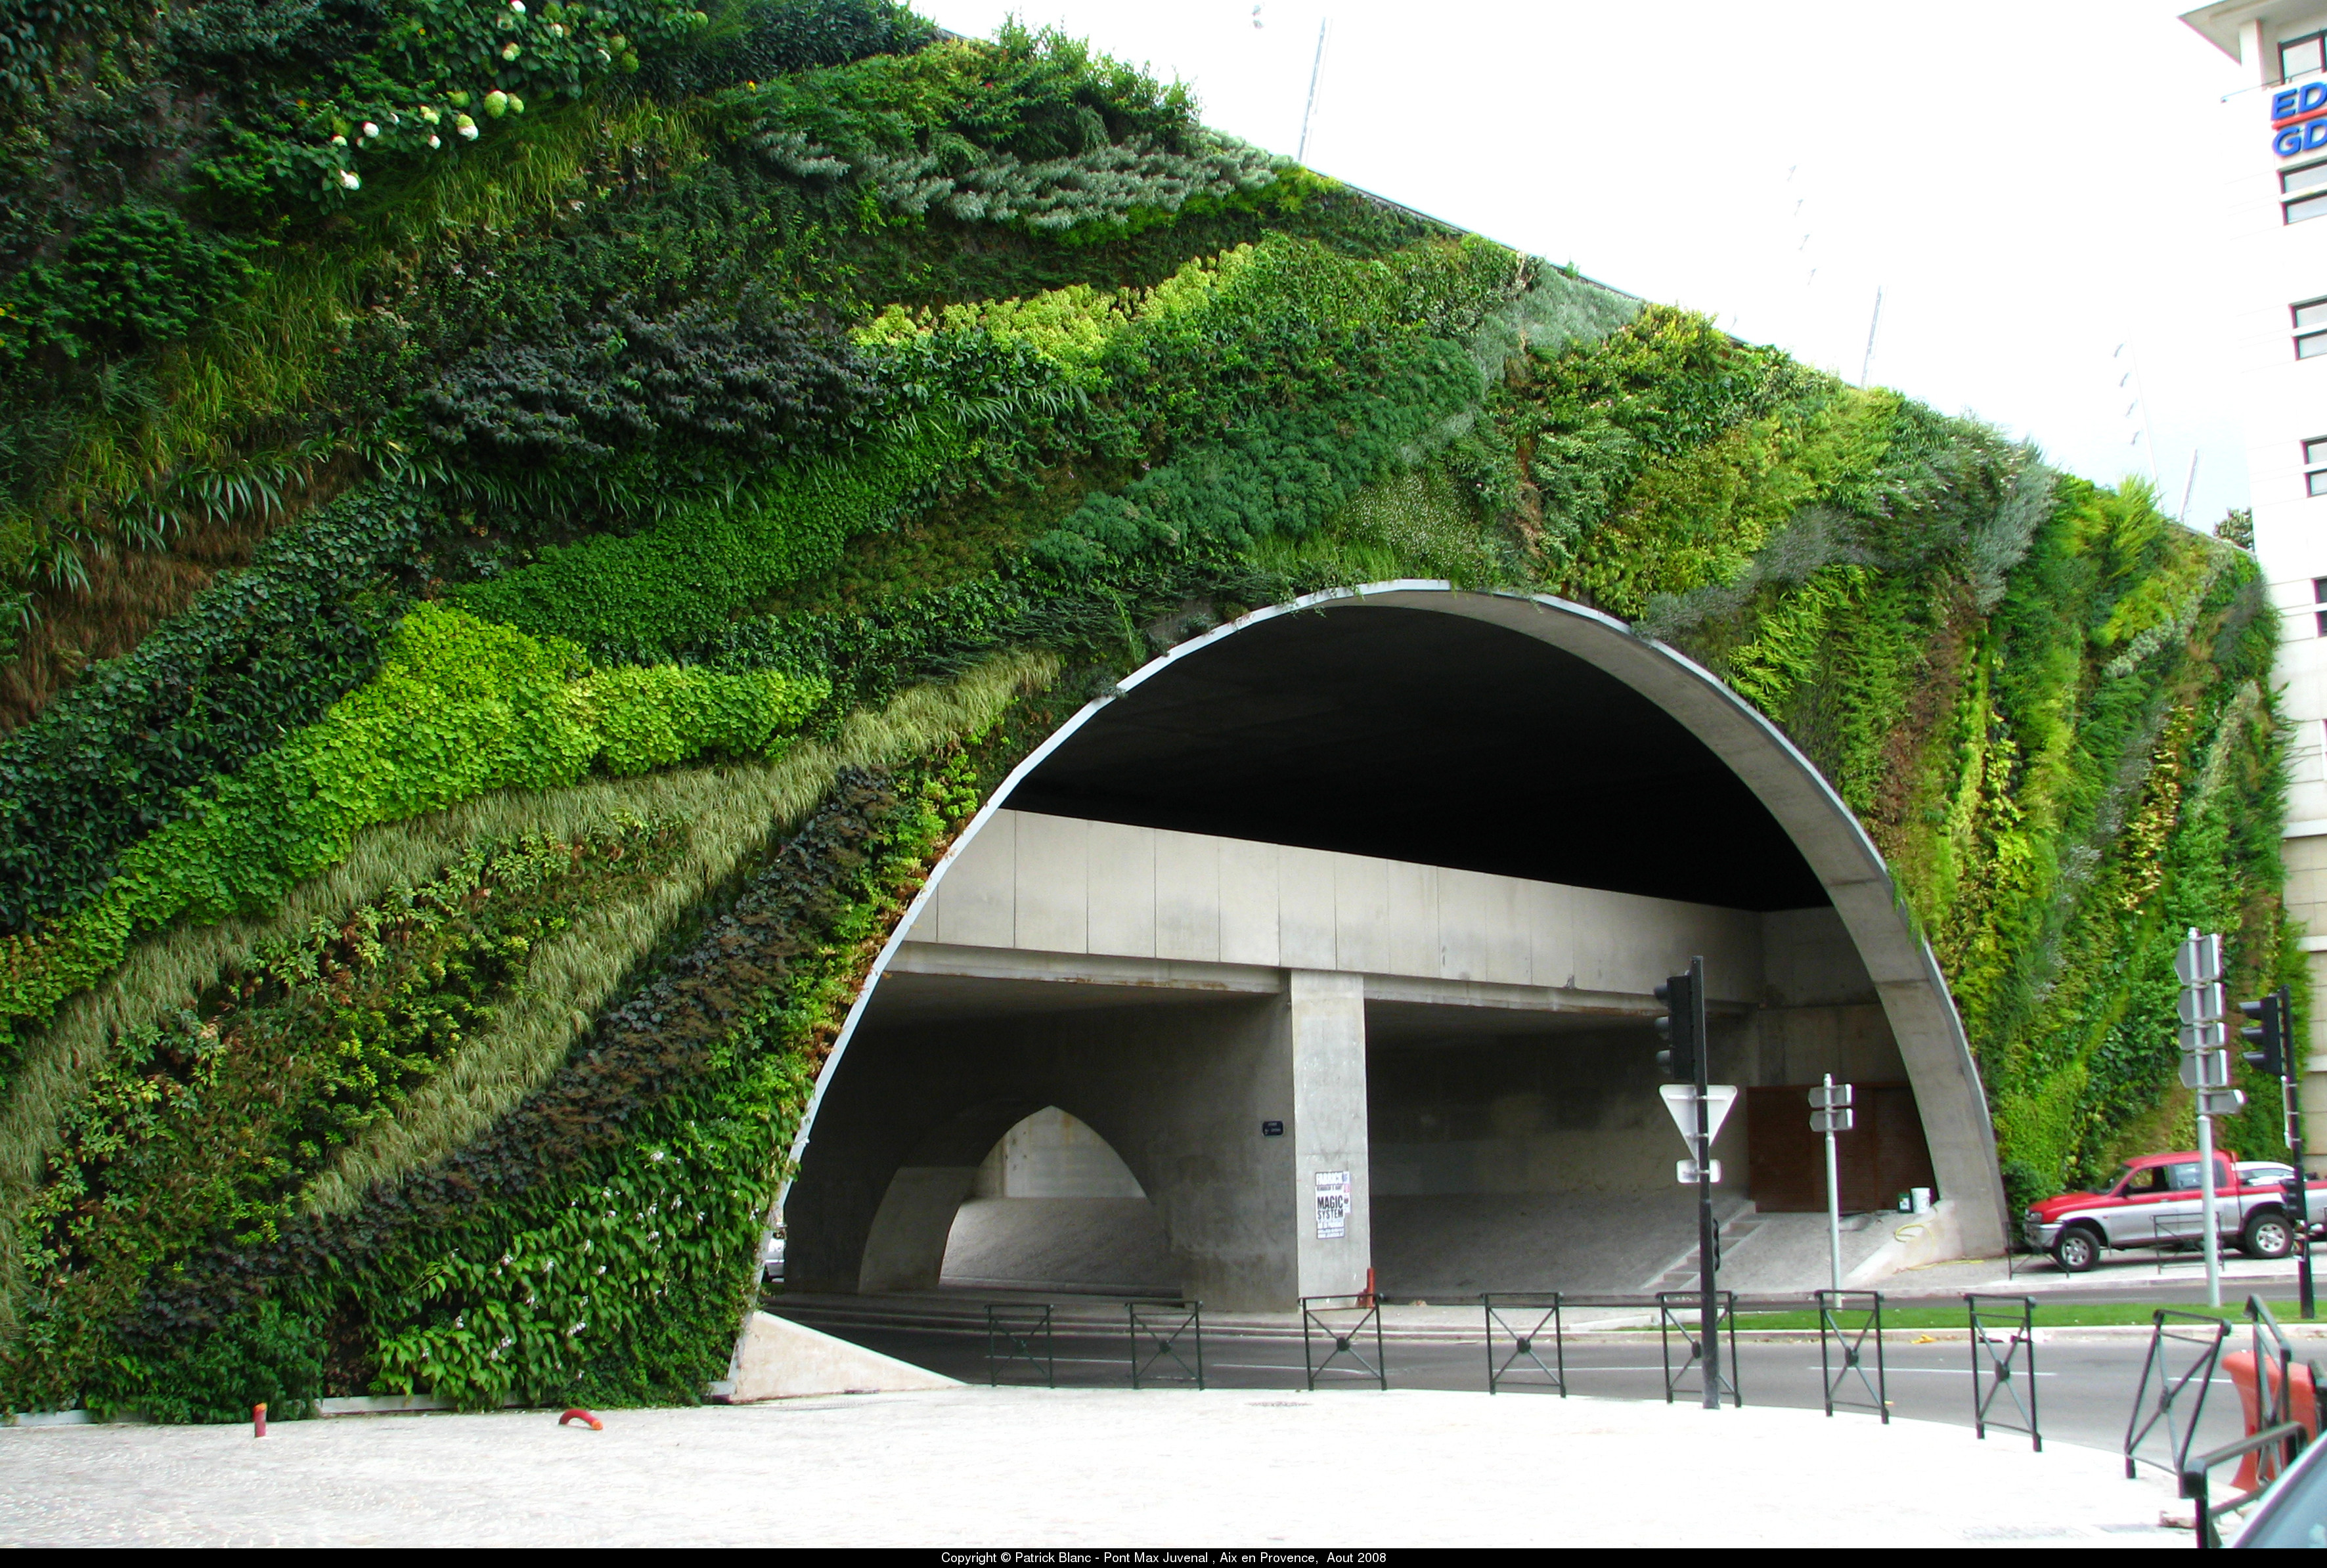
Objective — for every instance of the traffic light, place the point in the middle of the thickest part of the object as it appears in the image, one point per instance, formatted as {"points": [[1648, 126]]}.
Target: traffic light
{"points": [[2266, 1034], [1677, 1028]]}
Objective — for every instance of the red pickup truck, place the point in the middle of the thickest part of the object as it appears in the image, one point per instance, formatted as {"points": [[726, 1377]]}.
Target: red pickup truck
{"points": [[2155, 1201]]}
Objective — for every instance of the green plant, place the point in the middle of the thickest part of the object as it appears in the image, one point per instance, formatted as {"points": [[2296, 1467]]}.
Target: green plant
{"points": [[211, 1120], [263, 652], [458, 708]]}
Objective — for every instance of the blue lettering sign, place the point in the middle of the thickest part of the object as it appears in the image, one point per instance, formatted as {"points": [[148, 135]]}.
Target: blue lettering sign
{"points": [[2281, 104], [2288, 142]]}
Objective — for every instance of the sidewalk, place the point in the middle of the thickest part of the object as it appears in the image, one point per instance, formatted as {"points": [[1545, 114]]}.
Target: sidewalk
{"points": [[1009, 1467]]}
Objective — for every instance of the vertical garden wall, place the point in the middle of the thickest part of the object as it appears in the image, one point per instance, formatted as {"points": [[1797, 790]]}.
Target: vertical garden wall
{"points": [[525, 528]]}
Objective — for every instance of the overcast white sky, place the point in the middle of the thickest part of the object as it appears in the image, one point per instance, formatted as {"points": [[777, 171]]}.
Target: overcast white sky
{"points": [[2031, 182]]}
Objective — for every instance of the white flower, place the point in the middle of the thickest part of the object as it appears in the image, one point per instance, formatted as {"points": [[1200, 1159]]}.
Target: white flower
{"points": [[429, 112], [435, 142], [606, 59], [350, 180], [370, 130], [558, 30], [468, 129], [339, 141], [509, 50], [518, 6]]}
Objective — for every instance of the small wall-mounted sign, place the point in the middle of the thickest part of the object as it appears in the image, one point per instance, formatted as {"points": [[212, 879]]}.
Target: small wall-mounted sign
{"points": [[1272, 1129]]}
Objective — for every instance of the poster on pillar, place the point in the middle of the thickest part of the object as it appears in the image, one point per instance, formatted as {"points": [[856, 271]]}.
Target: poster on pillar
{"points": [[1332, 1204]]}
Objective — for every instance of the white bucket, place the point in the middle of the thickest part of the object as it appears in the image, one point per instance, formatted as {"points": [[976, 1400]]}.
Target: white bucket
{"points": [[1919, 1199]]}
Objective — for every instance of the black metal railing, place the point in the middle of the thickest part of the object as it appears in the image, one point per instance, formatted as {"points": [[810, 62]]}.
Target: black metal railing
{"points": [[2287, 1438], [1019, 1334], [1341, 1322], [2173, 1400], [1518, 1318], [1842, 1351], [1682, 1313], [2003, 1362], [1159, 1334], [2273, 1397]]}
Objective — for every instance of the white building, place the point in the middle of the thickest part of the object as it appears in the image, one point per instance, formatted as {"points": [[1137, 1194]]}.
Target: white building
{"points": [[2273, 203]]}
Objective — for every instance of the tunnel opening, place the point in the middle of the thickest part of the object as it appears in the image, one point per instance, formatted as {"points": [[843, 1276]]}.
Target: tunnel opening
{"points": [[1367, 899]]}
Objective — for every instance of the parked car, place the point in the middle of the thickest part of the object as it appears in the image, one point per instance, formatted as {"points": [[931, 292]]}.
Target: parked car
{"points": [[2155, 1201]]}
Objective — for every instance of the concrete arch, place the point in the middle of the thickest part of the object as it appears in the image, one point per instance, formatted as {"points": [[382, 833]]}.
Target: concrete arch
{"points": [[1913, 992]]}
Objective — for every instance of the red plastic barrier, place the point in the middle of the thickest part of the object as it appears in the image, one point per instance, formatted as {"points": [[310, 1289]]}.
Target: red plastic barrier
{"points": [[578, 1414], [2241, 1366]]}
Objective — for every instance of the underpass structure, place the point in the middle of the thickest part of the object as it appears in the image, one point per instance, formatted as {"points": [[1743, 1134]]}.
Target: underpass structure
{"points": [[1332, 936]]}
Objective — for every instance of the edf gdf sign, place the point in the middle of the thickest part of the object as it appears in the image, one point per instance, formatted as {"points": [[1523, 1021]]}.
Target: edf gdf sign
{"points": [[2298, 119]]}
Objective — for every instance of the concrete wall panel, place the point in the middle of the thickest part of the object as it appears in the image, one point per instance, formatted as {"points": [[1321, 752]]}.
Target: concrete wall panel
{"points": [[1122, 898], [1051, 888], [1251, 920], [1305, 906], [980, 907], [1187, 897]]}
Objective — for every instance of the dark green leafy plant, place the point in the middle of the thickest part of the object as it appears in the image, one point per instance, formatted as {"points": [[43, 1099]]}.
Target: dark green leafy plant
{"points": [[210, 1122]]}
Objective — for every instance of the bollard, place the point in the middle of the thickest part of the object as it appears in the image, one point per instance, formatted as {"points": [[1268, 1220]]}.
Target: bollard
{"points": [[258, 1421]]}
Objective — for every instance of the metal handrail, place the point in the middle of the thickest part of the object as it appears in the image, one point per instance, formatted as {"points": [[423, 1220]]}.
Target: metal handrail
{"points": [[1671, 1306], [2196, 1484], [1369, 1309], [2199, 1376], [1164, 1327], [2001, 1367], [2273, 1405], [1016, 1331], [1526, 1337], [1852, 1343]]}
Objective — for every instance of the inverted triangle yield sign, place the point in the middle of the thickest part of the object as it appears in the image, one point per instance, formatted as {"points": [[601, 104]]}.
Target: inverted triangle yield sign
{"points": [[1680, 1100]]}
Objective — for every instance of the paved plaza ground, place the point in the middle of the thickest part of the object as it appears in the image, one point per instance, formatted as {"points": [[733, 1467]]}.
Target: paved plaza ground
{"points": [[982, 1468]]}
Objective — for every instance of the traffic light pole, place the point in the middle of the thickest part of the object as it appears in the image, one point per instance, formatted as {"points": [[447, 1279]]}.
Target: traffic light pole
{"points": [[1708, 1240], [2290, 1091], [2301, 1198]]}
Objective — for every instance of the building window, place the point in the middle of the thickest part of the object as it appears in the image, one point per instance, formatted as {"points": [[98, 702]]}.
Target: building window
{"points": [[2306, 189], [2319, 596], [2302, 56], [2310, 329], [2315, 474]]}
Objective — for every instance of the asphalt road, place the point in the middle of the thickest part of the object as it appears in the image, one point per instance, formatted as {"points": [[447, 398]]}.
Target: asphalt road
{"points": [[2084, 1390]]}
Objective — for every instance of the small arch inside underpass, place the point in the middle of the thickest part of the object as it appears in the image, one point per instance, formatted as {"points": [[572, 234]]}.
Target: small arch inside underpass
{"points": [[1053, 1208]]}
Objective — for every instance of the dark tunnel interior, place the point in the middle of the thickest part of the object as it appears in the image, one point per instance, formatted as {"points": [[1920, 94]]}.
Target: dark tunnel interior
{"points": [[1416, 735]]}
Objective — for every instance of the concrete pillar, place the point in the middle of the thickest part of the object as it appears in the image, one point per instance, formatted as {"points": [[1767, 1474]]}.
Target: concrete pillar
{"points": [[1325, 1018]]}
